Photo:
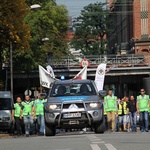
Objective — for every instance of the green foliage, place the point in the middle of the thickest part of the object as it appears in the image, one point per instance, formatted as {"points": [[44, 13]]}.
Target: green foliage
{"points": [[12, 25], [50, 22], [90, 30], [13, 28]]}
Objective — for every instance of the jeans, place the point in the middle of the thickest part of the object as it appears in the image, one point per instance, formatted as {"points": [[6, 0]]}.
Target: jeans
{"points": [[41, 123], [144, 121], [117, 124], [28, 122], [133, 119]]}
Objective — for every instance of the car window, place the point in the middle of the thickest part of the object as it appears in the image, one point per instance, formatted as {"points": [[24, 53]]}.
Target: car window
{"points": [[5, 103], [73, 89]]}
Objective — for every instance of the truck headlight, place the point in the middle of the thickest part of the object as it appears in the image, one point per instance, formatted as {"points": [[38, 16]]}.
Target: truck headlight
{"points": [[54, 106], [94, 105]]}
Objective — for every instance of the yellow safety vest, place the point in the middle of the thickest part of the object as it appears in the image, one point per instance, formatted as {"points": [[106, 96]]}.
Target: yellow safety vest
{"points": [[124, 107]]}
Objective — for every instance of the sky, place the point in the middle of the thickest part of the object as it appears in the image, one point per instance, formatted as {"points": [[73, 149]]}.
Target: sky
{"points": [[75, 6]]}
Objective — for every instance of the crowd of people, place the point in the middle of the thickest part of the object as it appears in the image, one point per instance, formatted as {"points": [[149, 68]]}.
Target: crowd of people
{"points": [[119, 114], [28, 116], [122, 114]]}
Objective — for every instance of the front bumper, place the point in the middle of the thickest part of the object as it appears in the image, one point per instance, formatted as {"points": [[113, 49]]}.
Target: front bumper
{"points": [[5, 125], [87, 116]]}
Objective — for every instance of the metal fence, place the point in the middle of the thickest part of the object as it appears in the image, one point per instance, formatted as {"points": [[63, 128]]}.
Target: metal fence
{"points": [[130, 60]]}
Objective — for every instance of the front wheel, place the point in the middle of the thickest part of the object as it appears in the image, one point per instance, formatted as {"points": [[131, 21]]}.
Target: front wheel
{"points": [[49, 130], [99, 127]]}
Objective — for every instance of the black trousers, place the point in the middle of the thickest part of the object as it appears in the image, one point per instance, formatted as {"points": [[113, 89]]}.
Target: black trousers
{"points": [[18, 123]]}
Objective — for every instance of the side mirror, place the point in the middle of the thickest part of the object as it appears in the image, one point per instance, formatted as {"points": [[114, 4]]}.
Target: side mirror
{"points": [[102, 93], [43, 95]]}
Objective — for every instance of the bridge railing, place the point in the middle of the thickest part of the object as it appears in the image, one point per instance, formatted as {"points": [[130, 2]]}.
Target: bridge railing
{"points": [[130, 60]]}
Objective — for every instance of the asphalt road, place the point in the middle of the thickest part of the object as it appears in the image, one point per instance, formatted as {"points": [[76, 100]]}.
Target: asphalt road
{"points": [[77, 141]]}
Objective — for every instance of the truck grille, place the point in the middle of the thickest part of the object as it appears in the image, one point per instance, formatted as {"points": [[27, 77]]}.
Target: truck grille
{"points": [[78, 105]]}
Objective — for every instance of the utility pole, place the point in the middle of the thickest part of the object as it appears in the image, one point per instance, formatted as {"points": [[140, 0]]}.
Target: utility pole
{"points": [[11, 68]]}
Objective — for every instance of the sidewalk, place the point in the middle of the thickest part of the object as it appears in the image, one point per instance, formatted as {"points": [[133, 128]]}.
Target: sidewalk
{"points": [[5, 136]]}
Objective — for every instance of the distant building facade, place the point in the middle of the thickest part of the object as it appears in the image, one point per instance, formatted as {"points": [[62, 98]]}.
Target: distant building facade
{"points": [[131, 32]]}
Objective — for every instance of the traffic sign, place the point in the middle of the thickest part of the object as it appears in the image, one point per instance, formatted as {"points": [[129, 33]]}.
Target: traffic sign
{"points": [[84, 62]]}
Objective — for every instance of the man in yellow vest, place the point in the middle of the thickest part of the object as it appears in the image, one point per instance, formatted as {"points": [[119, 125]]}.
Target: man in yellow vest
{"points": [[27, 114], [143, 105], [39, 113], [110, 106], [17, 115]]}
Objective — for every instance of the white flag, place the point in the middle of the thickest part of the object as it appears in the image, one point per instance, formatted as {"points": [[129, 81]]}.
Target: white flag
{"points": [[100, 76], [50, 70], [82, 74], [45, 77]]}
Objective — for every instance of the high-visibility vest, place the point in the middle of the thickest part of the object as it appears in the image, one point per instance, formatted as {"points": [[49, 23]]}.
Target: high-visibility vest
{"points": [[124, 108], [39, 106], [143, 103], [110, 103], [27, 110], [17, 109]]}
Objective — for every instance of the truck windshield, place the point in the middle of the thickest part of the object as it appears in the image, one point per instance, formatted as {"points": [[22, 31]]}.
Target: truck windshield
{"points": [[5, 103], [85, 89]]}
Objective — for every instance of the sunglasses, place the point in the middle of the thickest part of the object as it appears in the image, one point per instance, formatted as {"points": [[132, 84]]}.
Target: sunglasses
{"points": [[142, 91]]}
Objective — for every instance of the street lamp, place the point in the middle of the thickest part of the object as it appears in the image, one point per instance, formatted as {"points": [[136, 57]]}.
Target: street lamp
{"points": [[49, 53], [11, 68], [35, 6]]}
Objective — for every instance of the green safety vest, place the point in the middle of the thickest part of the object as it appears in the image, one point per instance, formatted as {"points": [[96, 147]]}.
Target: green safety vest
{"points": [[27, 110], [110, 103], [143, 103], [17, 109], [39, 106], [124, 107]]}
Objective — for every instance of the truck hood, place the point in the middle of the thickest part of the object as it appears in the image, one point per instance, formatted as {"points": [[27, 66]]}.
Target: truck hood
{"points": [[72, 98]]}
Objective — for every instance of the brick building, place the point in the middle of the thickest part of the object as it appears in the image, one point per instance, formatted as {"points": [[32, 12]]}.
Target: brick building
{"points": [[132, 26]]}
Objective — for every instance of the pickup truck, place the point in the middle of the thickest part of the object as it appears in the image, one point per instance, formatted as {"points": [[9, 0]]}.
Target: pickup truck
{"points": [[73, 104]]}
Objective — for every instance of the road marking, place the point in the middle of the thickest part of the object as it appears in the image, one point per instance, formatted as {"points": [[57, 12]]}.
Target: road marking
{"points": [[62, 149], [95, 147], [110, 147], [94, 142]]}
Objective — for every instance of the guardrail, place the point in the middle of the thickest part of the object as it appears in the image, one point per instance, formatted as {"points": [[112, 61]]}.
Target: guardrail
{"points": [[130, 60]]}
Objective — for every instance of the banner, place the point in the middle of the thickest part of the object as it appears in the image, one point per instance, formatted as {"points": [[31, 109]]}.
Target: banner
{"points": [[50, 70], [109, 69], [45, 77], [82, 74], [100, 76]]}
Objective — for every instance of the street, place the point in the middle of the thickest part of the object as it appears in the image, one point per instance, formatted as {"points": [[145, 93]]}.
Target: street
{"points": [[77, 141]]}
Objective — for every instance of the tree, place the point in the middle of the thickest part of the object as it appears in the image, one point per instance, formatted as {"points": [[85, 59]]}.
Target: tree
{"points": [[51, 23], [13, 28], [91, 29], [12, 25]]}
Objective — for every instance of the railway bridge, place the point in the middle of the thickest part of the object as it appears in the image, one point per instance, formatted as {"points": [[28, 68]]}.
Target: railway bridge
{"points": [[128, 73]]}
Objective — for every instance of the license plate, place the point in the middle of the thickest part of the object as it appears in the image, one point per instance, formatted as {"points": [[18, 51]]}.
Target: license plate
{"points": [[72, 115]]}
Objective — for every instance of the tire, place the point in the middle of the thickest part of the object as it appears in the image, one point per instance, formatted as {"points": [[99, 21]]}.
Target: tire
{"points": [[49, 130], [99, 127]]}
